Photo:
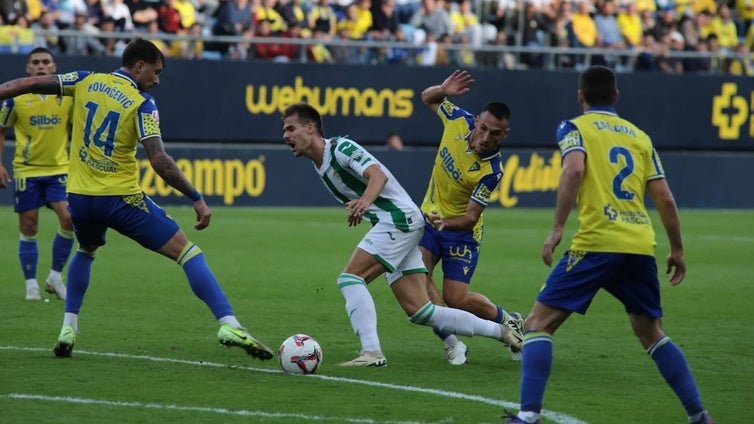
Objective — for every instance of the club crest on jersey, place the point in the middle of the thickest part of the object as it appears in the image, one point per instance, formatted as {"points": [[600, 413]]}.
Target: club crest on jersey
{"points": [[474, 167]]}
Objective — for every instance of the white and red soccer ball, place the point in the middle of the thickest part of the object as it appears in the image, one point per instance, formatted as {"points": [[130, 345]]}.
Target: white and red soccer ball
{"points": [[300, 354]]}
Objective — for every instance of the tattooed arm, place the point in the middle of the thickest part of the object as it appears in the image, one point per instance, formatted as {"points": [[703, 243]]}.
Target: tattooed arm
{"points": [[48, 84], [165, 167]]}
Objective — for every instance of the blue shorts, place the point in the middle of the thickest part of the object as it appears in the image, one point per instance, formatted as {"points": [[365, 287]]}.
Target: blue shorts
{"points": [[577, 278], [136, 217], [34, 192], [458, 250]]}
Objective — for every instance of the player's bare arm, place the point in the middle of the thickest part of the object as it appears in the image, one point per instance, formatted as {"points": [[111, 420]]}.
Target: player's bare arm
{"points": [[568, 189], [465, 222], [664, 202], [456, 84], [164, 165], [4, 175], [376, 180], [47, 84]]}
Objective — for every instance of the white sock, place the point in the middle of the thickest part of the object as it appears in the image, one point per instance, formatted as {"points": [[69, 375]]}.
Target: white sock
{"points": [[361, 310], [72, 320], [451, 341], [231, 320], [31, 283], [456, 321]]}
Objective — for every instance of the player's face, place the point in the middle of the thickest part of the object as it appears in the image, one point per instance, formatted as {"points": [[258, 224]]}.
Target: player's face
{"points": [[296, 135], [488, 134], [147, 75], [40, 64]]}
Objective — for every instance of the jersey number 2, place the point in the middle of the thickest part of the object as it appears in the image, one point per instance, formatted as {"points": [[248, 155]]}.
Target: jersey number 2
{"points": [[625, 172], [104, 134]]}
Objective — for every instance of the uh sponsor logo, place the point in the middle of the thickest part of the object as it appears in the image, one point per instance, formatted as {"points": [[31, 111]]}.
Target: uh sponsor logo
{"points": [[731, 111], [45, 121]]}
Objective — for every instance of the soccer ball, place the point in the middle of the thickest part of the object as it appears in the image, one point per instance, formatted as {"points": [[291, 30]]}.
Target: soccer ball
{"points": [[300, 354]]}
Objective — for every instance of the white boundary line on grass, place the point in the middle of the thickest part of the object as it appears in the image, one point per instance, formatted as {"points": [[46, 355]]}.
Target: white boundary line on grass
{"points": [[557, 417]]}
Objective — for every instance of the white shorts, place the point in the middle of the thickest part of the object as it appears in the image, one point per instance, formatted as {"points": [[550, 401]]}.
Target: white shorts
{"points": [[396, 250]]}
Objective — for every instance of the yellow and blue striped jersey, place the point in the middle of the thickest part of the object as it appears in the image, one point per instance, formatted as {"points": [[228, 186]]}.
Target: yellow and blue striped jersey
{"points": [[459, 175], [41, 124], [620, 160], [111, 115]]}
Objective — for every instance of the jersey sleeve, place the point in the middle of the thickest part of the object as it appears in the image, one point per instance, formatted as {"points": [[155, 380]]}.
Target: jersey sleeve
{"points": [[485, 187], [148, 120], [350, 154], [7, 113], [68, 81], [656, 171], [569, 138]]}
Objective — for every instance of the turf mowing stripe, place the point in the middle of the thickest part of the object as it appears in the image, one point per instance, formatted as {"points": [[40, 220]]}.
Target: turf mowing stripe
{"points": [[557, 417]]}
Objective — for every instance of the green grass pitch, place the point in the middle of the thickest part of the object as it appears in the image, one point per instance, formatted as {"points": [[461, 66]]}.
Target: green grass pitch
{"points": [[148, 353]]}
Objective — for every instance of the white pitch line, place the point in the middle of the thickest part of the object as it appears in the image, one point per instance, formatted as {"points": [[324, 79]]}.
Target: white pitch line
{"points": [[223, 411], [557, 417]]}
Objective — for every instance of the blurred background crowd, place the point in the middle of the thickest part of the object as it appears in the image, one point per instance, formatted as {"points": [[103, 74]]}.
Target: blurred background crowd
{"points": [[669, 36]]}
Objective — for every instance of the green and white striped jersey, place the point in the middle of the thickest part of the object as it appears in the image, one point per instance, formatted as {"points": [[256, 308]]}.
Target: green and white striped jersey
{"points": [[342, 172]]}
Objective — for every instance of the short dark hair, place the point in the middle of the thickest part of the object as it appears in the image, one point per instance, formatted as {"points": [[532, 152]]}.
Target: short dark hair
{"points": [[40, 50], [498, 109], [599, 86], [306, 115], [143, 50]]}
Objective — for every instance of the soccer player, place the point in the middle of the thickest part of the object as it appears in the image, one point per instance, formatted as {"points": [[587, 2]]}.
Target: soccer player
{"points": [[40, 166], [369, 191], [608, 166], [112, 113], [467, 169]]}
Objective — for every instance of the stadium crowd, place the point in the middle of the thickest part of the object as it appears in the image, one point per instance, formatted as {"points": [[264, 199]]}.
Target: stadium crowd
{"points": [[645, 35]]}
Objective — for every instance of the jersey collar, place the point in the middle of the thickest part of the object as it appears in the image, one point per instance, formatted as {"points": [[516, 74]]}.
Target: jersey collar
{"points": [[605, 110], [123, 74]]}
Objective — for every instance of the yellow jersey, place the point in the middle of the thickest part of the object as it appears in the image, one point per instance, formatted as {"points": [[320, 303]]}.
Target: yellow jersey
{"points": [[459, 175], [111, 115], [41, 125], [620, 161]]}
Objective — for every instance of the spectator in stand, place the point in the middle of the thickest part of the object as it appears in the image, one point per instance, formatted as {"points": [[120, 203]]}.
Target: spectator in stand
{"points": [[536, 28], [50, 41], [430, 19], [393, 142], [717, 61], [563, 35], [67, 11], [323, 18], [187, 10], [646, 6], [294, 13], [384, 21], [111, 46], [648, 22], [82, 43], [234, 17], [646, 54], [364, 15], [11, 10], [155, 36], [584, 26], [672, 43], [189, 48], [269, 51], [169, 18], [120, 13], [697, 65], [609, 34], [697, 6], [94, 12], [725, 27], [696, 28], [629, 24], [351, 27], [267, 11], [741, 63], [319, 52], [666, 23], [466, 23], [501, 17], [745, 11], [400, 55], [143, 13]]}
